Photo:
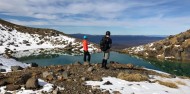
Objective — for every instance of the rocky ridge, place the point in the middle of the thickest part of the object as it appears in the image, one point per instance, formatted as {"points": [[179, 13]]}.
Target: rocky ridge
{"points": [[176, 47], [72, 77]]}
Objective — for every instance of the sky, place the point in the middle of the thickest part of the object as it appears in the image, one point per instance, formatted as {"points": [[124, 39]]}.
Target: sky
{"points": [[95, 17]]}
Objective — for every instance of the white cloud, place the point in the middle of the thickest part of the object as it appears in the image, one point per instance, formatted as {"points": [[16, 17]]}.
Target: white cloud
{"points": [[29, 22], [125, 13]]}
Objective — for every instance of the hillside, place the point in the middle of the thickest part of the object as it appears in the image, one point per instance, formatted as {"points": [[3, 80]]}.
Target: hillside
{"points": [[17, 38], [123, 41], [175, 47]]}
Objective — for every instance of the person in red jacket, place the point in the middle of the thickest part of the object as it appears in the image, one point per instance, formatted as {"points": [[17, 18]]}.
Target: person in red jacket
{"points": [[85, 48]]}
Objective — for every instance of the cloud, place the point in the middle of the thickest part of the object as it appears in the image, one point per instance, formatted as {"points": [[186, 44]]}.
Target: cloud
{"points": [[28, 22], [123, 13]]}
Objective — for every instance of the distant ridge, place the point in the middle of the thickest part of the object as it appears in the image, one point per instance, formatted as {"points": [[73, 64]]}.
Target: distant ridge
{"points": [[122, 41]]}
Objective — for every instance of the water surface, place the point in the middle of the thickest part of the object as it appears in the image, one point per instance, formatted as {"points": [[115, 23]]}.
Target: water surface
{"points": [[176, 68]]}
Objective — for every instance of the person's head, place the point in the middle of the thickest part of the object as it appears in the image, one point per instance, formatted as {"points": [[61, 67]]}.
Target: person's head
{"points": [[108, 33], [84, 37]]}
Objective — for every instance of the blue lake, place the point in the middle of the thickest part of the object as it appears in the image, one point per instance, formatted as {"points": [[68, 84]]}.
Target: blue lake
{"points": [[177, 68]]}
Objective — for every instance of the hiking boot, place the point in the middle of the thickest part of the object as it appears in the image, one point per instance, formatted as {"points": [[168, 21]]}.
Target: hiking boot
{"points": [[103, 61]]}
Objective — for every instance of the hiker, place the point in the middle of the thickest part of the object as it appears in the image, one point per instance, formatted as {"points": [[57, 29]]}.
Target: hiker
{"points": [[85, 48], [105, 45]]}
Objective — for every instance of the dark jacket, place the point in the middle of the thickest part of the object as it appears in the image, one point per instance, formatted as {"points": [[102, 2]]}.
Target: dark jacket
{"points": [[105, 43]]}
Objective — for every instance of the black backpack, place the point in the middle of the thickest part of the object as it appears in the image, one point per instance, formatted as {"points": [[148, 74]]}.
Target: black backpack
{"points": [[105, 43]]}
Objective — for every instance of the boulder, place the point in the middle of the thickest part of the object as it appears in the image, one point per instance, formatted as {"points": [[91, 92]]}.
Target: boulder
{"points": [[185, 54], [151, 53], [34, 64], [86, 63], [187, 36], [23, 79], [2, 75], [60, 70], [77, 63], [28, 44], [10, 80], [60, 78], [25, 42], [68, 67], [168, 51], [178, 56], [32, 83], [51, 77], [107, 83], [16, 68], [90, 69], [1, 64], [116, 92], [166, 43], [8, 93], [171, 36], [6, 55], [56, 91], [181, 49], [46, 73], [112, 62], [83, 78], [2, 70], [137, 77], [181, 39], [3, 83], [130, 66], [106, 92], [65, 74], [12, 87]]}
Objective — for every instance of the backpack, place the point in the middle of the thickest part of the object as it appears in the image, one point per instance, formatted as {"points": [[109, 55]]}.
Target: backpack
{"points": [[104, 45]]}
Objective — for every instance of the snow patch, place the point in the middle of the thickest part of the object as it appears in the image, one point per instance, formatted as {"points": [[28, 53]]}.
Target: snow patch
{"points": [[177, 45], [126, 87], [47, 87], [7, 63]]}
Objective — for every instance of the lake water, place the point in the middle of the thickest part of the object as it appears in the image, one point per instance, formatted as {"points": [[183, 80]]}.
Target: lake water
{"points": [[176, 68]]}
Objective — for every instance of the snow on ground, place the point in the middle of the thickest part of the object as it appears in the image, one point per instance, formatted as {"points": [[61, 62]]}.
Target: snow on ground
{"points": [[161, 72], [7, 63], [47, 87], [18, 41], [138, 49], [18, 38], [126, 87]]}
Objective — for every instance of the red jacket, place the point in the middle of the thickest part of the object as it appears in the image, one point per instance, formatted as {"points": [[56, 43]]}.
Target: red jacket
{"points": [[85, 45]]}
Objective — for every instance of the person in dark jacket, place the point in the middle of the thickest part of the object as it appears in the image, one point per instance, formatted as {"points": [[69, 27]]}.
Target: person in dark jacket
{"points": [[105, 45]]}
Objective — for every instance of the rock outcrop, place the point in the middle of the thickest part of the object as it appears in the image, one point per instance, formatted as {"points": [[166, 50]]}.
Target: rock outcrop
{"points": [[32, 83], [175, 47]]}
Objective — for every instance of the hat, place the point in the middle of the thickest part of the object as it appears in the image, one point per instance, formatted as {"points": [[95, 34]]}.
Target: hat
{"points": [[108, 33], [85, 37]]}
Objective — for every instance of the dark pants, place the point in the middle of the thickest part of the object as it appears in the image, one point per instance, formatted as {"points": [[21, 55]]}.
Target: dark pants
{"points": [[86, 53]]}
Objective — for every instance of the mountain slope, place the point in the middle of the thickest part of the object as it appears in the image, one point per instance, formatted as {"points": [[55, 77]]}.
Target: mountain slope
{"points": [[17, 37], [175, 47]]}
